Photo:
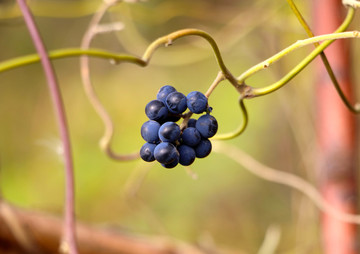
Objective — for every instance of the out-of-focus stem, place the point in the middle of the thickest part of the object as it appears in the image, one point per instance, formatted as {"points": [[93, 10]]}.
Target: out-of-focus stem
{"points": [[69, 237]]}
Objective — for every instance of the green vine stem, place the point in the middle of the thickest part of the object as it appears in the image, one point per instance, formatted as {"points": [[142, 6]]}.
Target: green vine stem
{"points": [[170, 38], [70, 52], [239, 83], [116, 58], [328, 39], [143, 61], [355, 108]]}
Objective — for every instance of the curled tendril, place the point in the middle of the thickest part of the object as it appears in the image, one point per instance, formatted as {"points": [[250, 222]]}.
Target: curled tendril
{"points": [[351, 3], [241, 127]]}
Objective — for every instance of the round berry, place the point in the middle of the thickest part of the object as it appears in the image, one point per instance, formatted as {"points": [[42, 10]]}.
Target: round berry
{"points": [[176, 102], [207, 126], [203, 149], [150, 131], [169, 132], [147, 152], [156, 110], [187, 155], [164, 92], [191, 122], [171, 164], [191, 136], [166, 153], [197, 102]]}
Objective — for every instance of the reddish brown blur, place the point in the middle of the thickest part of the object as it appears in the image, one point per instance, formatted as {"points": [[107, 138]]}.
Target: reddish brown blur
{"points": [[336, 133]]}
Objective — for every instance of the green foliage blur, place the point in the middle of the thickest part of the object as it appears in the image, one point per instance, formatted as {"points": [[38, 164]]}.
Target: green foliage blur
{"points": [[225, 202]]}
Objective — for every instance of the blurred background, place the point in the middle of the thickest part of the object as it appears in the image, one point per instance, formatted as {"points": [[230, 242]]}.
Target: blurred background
{"points": [[226, 204]]}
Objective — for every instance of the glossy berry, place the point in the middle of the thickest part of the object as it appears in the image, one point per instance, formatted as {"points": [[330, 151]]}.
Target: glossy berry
{"points": [[191, 122], [147, 152], [190, 136], [207, 126], [203, 149], [150, 130], [171, 164], [164, 92], [166, 153], [187, 155], [197, 102], [169, 132], [156, 110], [165, 141], [176, 102]]}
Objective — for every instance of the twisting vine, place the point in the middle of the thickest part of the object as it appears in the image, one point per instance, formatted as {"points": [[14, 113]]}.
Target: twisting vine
{"points": [[356, 107], [245, 91], [105, 142], [239, 83], [68, 244]]}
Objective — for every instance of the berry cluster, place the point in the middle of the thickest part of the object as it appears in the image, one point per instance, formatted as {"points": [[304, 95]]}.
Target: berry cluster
{"points": [[166, 142]]}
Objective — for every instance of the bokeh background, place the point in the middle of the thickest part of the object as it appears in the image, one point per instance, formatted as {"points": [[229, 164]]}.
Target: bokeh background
{"points": [[226, 204]]}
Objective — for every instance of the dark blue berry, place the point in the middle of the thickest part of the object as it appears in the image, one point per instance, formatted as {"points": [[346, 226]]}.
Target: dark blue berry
{"points": [[166, 153], [169, 132], [171, 164], [187, 155], [176, 102], [203, 149], [150, 130], [164, 92], [207, 126], [191, 136], [197, 102], [147, 152], [156, 110], [191, 122]]}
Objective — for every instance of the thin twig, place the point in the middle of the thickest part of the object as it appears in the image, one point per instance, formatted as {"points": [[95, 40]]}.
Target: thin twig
{"points": [[45, 231], [105, 142], [298, 44], [355, 108], [68, 244], [220, 77], [271, 240], [277, 176], [17, 229], [299, 67]]}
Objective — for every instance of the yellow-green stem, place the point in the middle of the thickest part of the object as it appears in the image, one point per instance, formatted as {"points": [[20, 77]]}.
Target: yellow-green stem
{"points": [[275, 86], [323, 58], [241, 127]]}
